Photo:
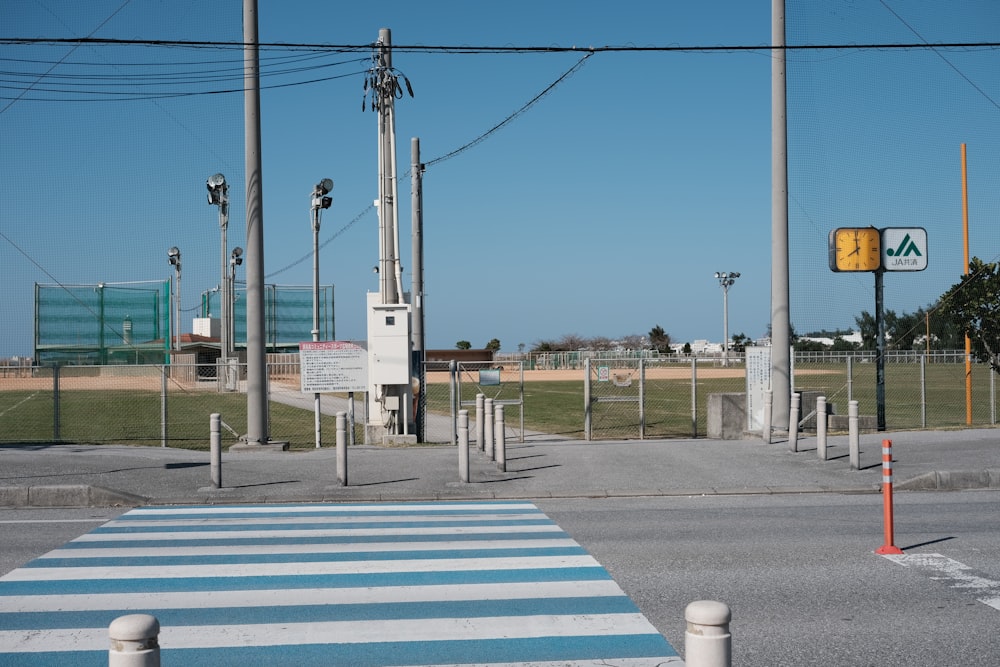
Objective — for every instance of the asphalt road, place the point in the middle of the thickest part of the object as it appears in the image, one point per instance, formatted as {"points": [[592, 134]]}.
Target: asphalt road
{"points": [[800, 574], [798, 570]]}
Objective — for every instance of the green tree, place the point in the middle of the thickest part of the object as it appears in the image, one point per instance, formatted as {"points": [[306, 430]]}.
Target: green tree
{"points": [[494, 344], [659, 339], [973, 306], [463, 345]]}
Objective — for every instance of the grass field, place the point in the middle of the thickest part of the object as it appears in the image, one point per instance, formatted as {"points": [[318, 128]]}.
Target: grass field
{"points": [[96, 414]]}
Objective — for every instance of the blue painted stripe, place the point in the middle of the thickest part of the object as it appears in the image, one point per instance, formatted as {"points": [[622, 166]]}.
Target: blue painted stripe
{"points": [[321, 557], [276, 614], [325, 525], [238, 583], [565, 649], [318, 539]]}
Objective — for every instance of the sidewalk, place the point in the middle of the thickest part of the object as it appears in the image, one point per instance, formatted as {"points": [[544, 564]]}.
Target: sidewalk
{"points": [[541, 467]]}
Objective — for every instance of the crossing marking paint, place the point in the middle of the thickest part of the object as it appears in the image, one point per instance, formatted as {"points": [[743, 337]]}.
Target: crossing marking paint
{"points": [[419, 584]]}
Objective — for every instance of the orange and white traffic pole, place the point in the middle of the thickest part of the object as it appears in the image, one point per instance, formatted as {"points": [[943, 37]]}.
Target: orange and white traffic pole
{"points": [[887, 521]]}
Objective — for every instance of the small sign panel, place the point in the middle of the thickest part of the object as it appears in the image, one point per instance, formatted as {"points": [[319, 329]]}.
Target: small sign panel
{"points": [[335, 365], [904, 249]]}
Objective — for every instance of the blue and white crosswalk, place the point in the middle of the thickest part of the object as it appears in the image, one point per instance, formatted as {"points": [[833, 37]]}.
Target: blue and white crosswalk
{"points": [[407, 584]]}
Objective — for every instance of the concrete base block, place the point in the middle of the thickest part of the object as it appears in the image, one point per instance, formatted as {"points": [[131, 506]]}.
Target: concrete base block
{"points": [[727, 416], [269, 446]]}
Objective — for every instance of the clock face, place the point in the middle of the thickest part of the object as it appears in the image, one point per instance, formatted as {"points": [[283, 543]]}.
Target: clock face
{"points": [[855, 249]]}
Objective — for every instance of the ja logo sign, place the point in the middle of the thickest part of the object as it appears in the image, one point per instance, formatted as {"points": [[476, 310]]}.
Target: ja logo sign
{"points": [[904, 248]]}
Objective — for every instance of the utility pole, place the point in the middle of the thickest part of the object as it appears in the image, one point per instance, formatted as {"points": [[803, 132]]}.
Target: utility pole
{"points": [[417, 197], [781, 365]]}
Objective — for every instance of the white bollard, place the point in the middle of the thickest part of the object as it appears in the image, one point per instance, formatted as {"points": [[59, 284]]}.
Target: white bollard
{"points": [[707, 641], [821, 427], [488, 427], [215, 445], [501, 438], [134, 641], [342, 448], [853, 438], [793, 423], [463, 445], [480, 424], [768, 409]]}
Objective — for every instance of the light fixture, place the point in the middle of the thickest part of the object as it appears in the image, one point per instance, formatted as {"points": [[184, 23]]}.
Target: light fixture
{"points": [[217, 189], [237, 256]]}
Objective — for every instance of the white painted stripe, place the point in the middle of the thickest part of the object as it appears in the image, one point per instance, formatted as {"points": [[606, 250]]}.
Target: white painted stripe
{"points": [[954, 574], [292, 520], [296, 569], [125, 551], [332, 532], [433, 508], [343, 632], [312, 596]]}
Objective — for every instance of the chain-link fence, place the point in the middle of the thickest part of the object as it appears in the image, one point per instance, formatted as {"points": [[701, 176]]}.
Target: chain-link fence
{"points": [[605, 400]]}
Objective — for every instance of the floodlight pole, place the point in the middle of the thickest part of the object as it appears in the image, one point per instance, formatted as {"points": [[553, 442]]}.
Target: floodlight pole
{"points": [[319, 202], [726, 280], [218, 195], [174, 257]]}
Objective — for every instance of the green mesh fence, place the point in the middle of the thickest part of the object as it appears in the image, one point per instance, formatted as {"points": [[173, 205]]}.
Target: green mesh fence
{"points": [[121, 323], [288, 314]]}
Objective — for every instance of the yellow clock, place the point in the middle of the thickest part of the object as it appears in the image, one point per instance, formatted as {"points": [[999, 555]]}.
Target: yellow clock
{"points": [[855, 249]]}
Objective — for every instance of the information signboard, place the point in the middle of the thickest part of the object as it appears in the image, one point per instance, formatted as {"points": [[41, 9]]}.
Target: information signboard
{"points": [[336, 365]]}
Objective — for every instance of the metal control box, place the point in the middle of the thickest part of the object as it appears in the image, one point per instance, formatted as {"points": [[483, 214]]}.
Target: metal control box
{"points": [[389, 343]]}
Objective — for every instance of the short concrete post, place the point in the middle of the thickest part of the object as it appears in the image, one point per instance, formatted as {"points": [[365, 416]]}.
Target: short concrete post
{"points": [[480, 424], [500, 437], [488, 427], [707, 641], [463, 445], [793, 423], [134, 641], [342, 448], [853, 438], [768, 409], [821, 428], [215, 448]]}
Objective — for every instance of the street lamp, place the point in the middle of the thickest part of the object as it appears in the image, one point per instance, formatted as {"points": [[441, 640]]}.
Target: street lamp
{"points": [[174, 257], [726, 280], [218, 195], [319, 202], [235, 259]]}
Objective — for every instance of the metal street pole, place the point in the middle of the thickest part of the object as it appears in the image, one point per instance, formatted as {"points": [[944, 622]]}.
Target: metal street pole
{"points": [[218, 195], [174, 257]]}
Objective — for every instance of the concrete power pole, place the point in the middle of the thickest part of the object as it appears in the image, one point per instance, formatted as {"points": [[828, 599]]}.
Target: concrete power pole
{"points": [[417, 222], [390, 378], [781, 383]]}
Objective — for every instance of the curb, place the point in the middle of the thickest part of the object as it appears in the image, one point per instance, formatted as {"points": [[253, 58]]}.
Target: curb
{"points": [[67, 495], [952, 480]]}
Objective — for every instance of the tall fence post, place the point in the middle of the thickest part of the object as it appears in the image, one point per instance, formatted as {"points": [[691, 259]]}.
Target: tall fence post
{"points": [[55, 403], [707, 640], [163, 405], [587, 405], [215, 445], [768, 409], [480, 423], [821, 428], [134, 641], [488, 427], [463, 445], [694, 397], [793, 422], [501, 438], [453, 399], [342, 448], [889, 546], [853, 439], [923, 390]]}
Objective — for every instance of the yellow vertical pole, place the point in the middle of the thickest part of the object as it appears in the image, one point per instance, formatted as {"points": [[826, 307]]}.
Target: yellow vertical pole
{"points": [[965, 236]]}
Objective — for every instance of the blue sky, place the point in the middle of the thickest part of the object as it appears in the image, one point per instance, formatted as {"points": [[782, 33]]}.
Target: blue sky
{"points": [[603, 210]]}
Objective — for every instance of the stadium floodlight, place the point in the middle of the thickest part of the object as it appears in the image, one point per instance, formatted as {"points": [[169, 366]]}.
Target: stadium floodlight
{"points": [[218, 195], [174, 257], [726, 280]]}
